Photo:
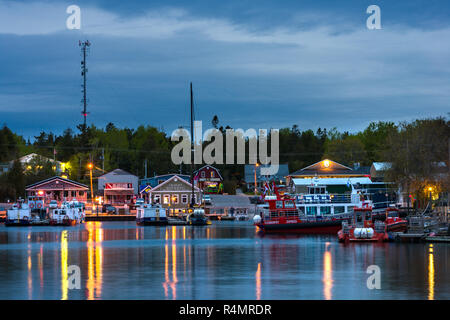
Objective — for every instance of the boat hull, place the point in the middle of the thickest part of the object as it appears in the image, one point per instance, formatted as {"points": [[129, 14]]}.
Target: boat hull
{"points": [[151, 222], [66, 222], [317, 227], [401, 226], [17, 223]]}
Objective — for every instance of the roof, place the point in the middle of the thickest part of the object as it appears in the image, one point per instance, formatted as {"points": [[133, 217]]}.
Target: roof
{"points": [[34, 185], [329, 167], [208, 167], [30, 156], [173, 178], [118, 172], [249, 170], [381, 166], [330, 181]]}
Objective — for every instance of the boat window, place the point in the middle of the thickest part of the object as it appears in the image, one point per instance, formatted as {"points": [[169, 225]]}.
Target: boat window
{"points": [[339, 209], [279, 204], [289, 204], [311, 210], [62, 212], [301, 210], [325, 210]]}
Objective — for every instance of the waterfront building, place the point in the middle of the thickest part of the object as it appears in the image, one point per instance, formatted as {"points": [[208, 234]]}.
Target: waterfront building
{"points": [[118, 187], [208, 179], [154, 181], [330, 177], [337, 177], [174, 194], [59, 189], [249, 175]]}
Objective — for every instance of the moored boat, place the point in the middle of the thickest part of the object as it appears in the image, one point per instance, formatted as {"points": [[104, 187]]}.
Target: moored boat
{"points": [[393, 221], [198, 218], [18, 215], [68, 215], [282, 216], [362, 228], [151, 215]]}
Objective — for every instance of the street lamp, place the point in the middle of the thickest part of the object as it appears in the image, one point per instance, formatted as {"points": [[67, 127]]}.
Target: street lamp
{"points": [[90, 167], [256, 189]]}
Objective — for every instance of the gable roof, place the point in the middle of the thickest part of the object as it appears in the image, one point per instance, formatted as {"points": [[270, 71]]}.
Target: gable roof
{"points": [[173, 178], [207, 167], [118, 172], [327, 167], [35, 185]]}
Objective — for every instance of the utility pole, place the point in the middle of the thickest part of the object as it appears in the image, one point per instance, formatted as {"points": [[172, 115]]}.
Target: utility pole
{"points": [[84, 47]]}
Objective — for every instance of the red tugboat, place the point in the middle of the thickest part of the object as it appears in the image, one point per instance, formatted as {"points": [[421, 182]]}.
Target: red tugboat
{"points": [[363, 229], [283, 216], [393, 221]]}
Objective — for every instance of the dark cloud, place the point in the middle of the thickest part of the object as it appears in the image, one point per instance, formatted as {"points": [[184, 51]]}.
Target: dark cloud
{"points": [[250, 71]]}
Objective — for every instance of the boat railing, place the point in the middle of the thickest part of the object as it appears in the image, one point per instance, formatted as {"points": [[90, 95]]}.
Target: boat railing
{"points": [[325, 198]]}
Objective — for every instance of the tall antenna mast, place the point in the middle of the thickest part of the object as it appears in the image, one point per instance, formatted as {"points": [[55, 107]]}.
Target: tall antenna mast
{"points": [[84, 48], [192, 147]]}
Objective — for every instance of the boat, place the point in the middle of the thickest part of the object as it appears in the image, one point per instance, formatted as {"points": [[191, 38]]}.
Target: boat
{"points": [[18, 215], [362, 227], [69, 214], [282, 216], [393, 221], [227, 218], [151, 215], [198, 218]]}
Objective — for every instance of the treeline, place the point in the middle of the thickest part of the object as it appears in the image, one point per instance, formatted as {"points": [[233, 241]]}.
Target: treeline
{"points": [[414, 148]]}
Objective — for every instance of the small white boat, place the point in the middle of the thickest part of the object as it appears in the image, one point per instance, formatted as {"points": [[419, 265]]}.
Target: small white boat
{"points": [[68, 215], [18, 215], [151, 215]]}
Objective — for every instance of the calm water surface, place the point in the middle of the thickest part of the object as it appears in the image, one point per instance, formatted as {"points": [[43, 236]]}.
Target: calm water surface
{"points": [[119, 260]]}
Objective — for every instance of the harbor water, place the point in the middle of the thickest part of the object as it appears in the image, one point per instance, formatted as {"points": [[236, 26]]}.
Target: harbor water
{"points": [[226, 260]]}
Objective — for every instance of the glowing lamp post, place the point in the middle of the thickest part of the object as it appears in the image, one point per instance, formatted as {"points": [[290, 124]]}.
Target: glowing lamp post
{"points": [[256, 188], [90, 167]]}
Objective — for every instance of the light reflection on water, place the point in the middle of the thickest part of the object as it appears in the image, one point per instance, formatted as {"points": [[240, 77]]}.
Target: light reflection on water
{"points": [[223, 261]]}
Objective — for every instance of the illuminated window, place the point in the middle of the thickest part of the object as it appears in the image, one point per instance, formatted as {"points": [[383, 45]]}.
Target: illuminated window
{"points": [[166, 199], [175, 199], [212, 174]]}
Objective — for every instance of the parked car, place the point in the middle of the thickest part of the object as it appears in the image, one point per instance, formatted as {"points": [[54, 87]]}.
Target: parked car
{"points": [[53, 204], [109, 209], [206, 199]]}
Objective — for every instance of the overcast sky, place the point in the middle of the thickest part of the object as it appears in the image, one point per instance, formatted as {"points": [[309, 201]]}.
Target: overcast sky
{"points": [[256, 64]]}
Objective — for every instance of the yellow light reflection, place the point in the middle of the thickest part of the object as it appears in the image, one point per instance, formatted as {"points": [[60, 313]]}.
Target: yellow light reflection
{"points": [[168, 283], [258, 282], [29, 265], [327, 273], [95, 260], [64, 266], [430, 273]]}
